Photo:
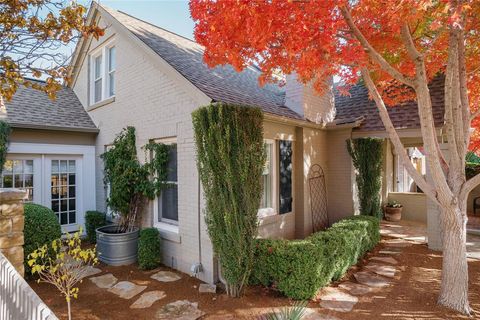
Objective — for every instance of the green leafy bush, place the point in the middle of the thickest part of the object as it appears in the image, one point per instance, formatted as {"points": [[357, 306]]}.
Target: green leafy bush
{"points": [[94, 220], [4, 135], [299, 268], [41, 227], [230, 158], [367, 158], [149, 249]]}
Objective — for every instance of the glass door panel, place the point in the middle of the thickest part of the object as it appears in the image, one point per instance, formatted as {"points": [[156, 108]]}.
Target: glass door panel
{"points": [[63, 191]]}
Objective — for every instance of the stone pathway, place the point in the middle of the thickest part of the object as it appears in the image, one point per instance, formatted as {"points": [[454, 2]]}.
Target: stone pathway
{"points": [[177, 310], [380, 272]]}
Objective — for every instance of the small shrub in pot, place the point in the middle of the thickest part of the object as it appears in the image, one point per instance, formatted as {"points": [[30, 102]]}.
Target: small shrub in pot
{"points": [[149, 249]]}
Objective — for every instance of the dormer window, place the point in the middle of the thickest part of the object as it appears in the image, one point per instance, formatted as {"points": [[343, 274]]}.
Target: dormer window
{"points": [[102, 73]]}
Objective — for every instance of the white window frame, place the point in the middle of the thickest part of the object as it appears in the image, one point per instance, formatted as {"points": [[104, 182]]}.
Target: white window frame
{"points": [[36, 188], [273, 210], [110, 72], [167, 225], [101, 51]]}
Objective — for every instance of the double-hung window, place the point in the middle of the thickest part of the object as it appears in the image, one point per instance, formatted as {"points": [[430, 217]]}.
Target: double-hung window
{"points": [[267, 203], [166, 205], [102, 73], [277, 196], [97, 78]]}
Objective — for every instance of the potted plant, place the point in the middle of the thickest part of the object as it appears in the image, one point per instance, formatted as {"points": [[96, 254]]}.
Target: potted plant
{"points": [[131, 184], [393, 211]]}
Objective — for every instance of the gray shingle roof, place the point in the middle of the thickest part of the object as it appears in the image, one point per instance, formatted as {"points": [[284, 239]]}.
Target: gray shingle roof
{"points": [[403, 116], [31, 108], [222, 83]]}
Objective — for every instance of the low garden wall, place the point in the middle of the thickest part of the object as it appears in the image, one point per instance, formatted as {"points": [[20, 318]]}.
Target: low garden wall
{"points": [[299, 268]]}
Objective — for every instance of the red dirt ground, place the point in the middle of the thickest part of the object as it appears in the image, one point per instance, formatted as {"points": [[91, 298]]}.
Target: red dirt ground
{"points": [[413, 295]]}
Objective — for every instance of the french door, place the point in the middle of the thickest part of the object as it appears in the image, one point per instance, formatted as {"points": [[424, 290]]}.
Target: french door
{"points": [[63, 190]]}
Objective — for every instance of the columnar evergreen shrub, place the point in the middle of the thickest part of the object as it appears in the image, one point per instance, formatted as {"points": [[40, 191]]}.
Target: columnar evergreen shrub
{"points": [[41, 227], [231, 157], [149, 249], [367, 155], [4, 135], [299, 268], [94, 220]]}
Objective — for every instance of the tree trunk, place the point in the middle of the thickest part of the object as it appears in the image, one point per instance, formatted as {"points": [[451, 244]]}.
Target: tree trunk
{"points": [[454, 286]]}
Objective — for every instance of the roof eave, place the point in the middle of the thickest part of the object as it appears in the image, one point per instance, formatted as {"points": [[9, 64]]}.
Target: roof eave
{"points": [[53, 128]]}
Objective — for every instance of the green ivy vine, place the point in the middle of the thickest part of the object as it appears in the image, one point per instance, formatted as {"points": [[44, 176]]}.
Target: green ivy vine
{"points": [[130, 181]]}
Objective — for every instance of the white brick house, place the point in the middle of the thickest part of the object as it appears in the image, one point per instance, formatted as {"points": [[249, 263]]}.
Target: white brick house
{"points": [[141, 75]]}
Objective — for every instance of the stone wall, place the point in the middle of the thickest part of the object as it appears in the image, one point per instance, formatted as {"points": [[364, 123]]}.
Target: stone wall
{"points": [[11, 227]]}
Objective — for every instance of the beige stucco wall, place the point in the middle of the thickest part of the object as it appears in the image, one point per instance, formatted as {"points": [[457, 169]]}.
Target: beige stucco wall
{"points": [[52, 137], [414, 205], [340, 182]]}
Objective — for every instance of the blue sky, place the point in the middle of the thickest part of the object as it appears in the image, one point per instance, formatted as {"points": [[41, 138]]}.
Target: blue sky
{"points": [[173, 15]]}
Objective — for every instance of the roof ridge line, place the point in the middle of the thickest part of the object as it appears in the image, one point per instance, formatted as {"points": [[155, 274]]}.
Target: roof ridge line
{"points": [[156, 26]]}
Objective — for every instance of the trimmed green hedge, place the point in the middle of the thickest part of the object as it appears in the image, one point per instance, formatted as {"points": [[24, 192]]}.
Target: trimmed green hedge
{"points": [[41, 227], [94, 220], [299, 268], [149, 249]]}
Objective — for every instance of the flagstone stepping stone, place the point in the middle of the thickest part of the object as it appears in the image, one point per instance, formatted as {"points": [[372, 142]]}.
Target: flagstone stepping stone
{"points": [[126, 289], [371, 279], [166, 276], [180, 310], [91, 271], [385, 259], [147, 299], [105, 282], [397, 244], [311, 314], [383, 270], [355, 288], [207, 288], [392, 252], [336, 300]]}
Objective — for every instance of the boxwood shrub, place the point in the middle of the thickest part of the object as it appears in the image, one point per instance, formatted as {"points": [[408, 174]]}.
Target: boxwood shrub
{"points": [[94, 220], [41, 227], [299, 268], [149, 249]]}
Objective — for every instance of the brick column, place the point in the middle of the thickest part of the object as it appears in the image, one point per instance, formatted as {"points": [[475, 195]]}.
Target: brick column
{"points": [[11, 227]]}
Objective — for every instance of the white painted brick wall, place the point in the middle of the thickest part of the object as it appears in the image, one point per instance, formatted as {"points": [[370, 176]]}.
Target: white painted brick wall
{"points": [[158, 107]]}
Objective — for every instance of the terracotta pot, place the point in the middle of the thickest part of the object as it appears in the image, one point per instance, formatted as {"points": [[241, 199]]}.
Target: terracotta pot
{"points": [[393, 214]]}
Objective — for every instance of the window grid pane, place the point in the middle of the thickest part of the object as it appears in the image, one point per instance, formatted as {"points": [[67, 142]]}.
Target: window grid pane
{"points": [[63, 191], [18, 174]]}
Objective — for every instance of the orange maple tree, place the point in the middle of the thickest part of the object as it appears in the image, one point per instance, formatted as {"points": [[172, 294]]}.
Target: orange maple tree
{"points": [[397, 47]]}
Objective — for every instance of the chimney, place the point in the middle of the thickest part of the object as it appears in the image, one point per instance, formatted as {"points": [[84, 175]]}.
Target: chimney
{"points": [[304, 100]]}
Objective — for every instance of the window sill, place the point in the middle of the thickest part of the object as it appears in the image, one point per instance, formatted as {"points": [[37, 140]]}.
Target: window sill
{"points": [[168, 232], [274, 218], [102, 103]]}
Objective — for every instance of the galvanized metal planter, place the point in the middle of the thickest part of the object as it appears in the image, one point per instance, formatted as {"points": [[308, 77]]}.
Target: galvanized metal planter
{"points": [[117, 249]]}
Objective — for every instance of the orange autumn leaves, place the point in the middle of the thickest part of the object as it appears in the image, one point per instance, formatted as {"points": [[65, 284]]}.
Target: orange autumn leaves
{"points": [[32, 34], [312, 39]]}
